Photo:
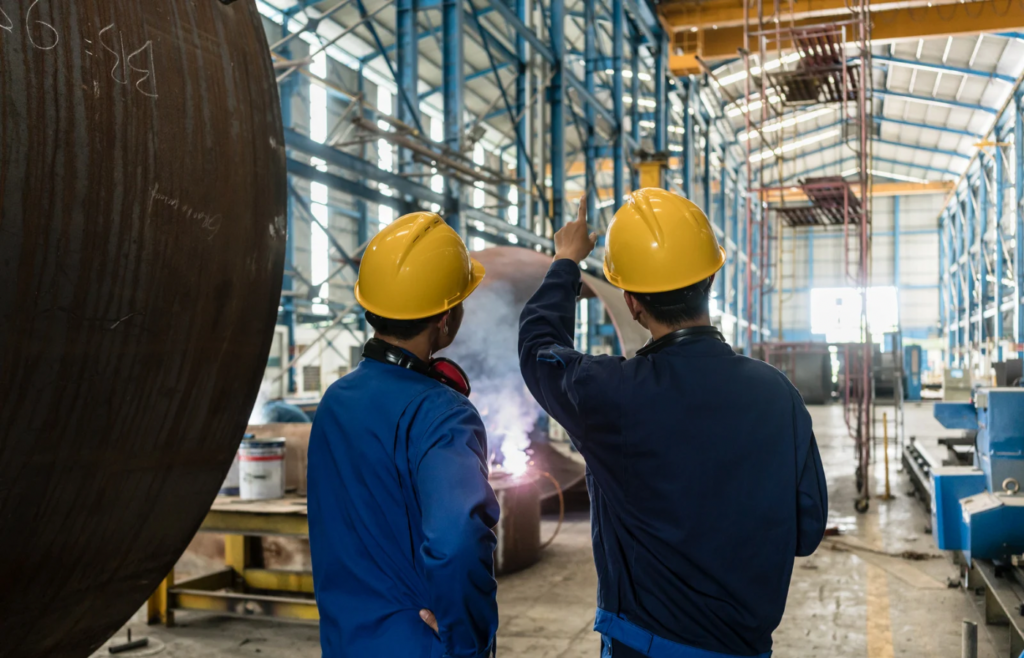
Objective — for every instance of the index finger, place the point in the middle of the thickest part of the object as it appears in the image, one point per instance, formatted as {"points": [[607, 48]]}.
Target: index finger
{"points": [[581, 213]]}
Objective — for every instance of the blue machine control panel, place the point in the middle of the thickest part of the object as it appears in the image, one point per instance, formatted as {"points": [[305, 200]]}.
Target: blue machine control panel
{"points": [[979, 509]]}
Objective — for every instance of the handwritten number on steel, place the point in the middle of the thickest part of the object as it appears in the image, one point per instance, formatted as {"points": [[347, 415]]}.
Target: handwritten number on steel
{"points": [[149, 70], [115, 53], [40, 44], [5, 21]]}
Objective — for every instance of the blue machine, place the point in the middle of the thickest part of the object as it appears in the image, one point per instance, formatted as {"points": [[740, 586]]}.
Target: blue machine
{"points": [[977, 509], [912, 372]]}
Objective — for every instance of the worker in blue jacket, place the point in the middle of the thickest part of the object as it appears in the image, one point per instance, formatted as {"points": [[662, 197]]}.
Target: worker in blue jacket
{"points": [[704, 475], [400, 509]]}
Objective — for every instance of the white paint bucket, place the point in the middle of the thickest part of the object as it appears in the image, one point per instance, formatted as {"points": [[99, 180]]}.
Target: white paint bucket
{"points": [[230, 486], [261, 469]]}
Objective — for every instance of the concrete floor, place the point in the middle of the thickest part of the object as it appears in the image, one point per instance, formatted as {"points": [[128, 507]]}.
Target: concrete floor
{"points": [[844, 600]]}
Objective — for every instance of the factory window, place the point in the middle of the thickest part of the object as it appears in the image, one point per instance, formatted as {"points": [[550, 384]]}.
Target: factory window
{"points": [[311, 378], [835, 312], [319, 248], [479, 196], [437, 180], [385, 155]]}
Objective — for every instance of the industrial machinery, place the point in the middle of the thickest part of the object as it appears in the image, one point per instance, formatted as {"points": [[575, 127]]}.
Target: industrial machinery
{"points": [[142, 232], [912, 372], [956, 384], [978, 509]]}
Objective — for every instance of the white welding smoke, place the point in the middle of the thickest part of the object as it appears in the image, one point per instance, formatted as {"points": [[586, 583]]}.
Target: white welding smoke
{"points": [[487, 348]]}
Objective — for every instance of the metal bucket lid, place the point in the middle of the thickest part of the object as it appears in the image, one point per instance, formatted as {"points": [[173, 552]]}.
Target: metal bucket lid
{"points": [[263, 444]]}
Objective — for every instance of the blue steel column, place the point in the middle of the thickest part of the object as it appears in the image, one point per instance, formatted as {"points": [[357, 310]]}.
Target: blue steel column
{"points": [[661, 111], [982, 262], [1000, 199], [968, 241], [556, 94], [590, 64], [721, 215], [362, 208], [408, 71], [288, 90], [634, 108], [452, 85], [689, 138], [944, 283], [618, 105], [1018, 302], [896, 255], [523, 124]]}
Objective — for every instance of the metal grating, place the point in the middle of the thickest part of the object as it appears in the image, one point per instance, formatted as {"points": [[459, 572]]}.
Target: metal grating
{"points": [[818, 77], [829, 198]]}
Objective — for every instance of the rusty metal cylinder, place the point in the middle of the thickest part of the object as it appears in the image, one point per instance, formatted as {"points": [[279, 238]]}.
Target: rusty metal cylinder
{"points": [[142, 232], [518, 530]]}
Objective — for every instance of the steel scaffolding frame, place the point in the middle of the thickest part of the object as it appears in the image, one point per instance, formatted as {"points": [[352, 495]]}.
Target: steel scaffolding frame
{"points": [[566, 103], [981, 253], [823, 74]]}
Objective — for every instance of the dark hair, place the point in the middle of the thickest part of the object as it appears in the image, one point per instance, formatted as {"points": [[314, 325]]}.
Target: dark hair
{"points": [[678, 307], [400, 329]]}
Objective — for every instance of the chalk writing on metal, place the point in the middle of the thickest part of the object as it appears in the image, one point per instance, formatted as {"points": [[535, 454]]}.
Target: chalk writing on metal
{"points": [[42, 43], [137, 69], [5, 21]]}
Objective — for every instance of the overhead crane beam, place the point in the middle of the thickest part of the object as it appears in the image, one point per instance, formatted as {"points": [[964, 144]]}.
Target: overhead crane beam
{"points": [[684, 15], [889, 25]]}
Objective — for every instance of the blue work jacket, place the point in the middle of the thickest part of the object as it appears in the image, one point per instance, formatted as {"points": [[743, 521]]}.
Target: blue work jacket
{"points": [[704, 477], [400, 518]]}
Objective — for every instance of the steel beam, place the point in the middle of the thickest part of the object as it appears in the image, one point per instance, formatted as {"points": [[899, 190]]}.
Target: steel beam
{"points": [[556, 97], [452, 80], [1018, 136], [883, 61], [522, 30], [366, 170], [895, 24], [618, 105], [661, 99]]}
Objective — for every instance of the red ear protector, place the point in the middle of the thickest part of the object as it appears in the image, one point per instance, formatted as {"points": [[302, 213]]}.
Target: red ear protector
{"points": [[440, 369]]}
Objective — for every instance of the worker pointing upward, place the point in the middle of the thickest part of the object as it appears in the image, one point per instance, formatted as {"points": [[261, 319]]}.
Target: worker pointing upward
{"points": [[704, 476]]}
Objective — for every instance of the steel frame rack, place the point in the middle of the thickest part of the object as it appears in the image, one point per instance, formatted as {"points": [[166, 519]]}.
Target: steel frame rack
{"points": [[981, 251], [563, 98]]}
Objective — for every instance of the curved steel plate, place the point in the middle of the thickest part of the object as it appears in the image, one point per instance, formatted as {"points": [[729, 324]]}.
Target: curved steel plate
{"points": [[142, 226]]}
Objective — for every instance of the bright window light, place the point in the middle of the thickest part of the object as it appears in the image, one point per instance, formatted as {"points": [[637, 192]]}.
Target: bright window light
{"points": [[775, 126], [437, 135], [756, 70], [792, 146], [835, 312], [736, 110], [319, 196], [626, 73], [479, 196]]}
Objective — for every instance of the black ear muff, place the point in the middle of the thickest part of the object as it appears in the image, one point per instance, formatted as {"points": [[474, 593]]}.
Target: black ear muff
{"points": [[443, 370]]}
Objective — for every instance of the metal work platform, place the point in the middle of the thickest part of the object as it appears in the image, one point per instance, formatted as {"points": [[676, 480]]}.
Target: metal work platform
{"points": [[244, 588], [819, 76], [832, 202]]}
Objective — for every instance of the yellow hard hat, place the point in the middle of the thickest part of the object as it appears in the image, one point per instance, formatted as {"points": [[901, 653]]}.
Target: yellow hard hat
{"points": [[659, 241], [416, 267]]}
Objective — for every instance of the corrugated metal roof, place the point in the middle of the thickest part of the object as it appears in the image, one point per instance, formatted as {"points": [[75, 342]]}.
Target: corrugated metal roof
{"points": [[929, 93]]}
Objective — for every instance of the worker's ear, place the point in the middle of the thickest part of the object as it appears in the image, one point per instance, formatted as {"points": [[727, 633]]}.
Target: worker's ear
{"points": [[635, 309]]}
